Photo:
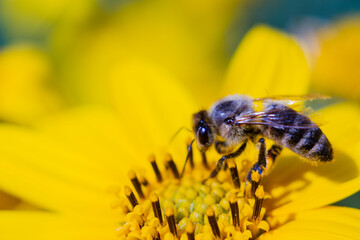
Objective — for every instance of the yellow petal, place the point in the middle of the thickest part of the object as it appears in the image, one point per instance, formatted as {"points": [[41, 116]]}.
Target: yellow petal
{"points": [[343, 125], [297, 185], [24, 94], [324, 223], [105, 145], [97, 134], [16, 225], [180, 36], [152, 105], [99, 137], [267, 62], [336, 69], [41, 172]]}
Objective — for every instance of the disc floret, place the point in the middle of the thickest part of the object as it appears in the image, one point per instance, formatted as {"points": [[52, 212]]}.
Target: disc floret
{"points": [[170, 207]]}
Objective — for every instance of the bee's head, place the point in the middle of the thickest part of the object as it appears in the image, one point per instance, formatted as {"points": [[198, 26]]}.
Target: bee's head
{"points": [[204, 130]]}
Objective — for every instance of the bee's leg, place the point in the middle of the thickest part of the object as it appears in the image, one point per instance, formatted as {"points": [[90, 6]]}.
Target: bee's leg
{"points": [[221, 161], [272, 154], [270, 157], [223, 147], [261, 164]]}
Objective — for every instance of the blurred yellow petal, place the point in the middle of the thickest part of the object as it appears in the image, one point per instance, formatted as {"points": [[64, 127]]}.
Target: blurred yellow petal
{"points": [[38, 225], [99, 136], [170, 34], [42, 172], [267, 62], [296, 185], [24, 94], [158, 31], [343, 124], [324, 223], [336, 69], [151, 104], [349, 216]]}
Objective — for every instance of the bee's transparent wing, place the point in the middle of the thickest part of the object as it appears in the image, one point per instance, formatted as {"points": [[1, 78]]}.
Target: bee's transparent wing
{"points": [[290, 99], [280, 117], [296, 102]]}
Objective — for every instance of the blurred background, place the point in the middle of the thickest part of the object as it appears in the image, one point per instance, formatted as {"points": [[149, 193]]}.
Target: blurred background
{"points": [[59, 54]]}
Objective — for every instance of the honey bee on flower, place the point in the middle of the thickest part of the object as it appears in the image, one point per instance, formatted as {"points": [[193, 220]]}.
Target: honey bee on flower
{"points": [[224, 206], [233, 120]]}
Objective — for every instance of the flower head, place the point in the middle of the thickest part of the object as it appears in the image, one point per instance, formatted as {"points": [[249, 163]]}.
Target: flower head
{"points": [[68, 163], [174, 206]]}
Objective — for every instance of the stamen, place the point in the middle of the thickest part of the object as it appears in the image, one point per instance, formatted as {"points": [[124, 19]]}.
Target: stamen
{"points": [[136, 183], [189, 208], [143, 181], [157, 236], [190, 230], [130, 195], [119, 205], [234, 173], [234, 210], [155, 167], [255, 178], [204, 160], [156, 207], [171, 164], [213, 223], [190, 152], [139, 210], [259, 198], [169, 213]]}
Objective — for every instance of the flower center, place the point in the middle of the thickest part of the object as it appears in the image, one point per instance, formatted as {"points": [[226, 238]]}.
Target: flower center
{"points": [[174, 207]]}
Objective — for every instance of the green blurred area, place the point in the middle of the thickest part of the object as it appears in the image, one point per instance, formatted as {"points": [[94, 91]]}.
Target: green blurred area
{"points": [[352, 201]]}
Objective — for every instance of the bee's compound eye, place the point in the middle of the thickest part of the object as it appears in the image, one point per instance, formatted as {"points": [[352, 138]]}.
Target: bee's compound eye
{"points": [[229, 121], [203, 135]]}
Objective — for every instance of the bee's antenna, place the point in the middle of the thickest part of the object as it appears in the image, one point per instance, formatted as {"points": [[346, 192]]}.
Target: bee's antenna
{"points": [[177, 132], [187, 156]]}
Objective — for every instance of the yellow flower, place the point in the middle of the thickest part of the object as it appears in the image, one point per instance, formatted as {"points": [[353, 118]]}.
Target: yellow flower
{"points": [[335, 62], [85, 39], [25, 92], [65, 167]]}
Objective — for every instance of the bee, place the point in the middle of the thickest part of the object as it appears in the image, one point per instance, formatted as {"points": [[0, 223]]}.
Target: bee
{"points": [[233, 120]]}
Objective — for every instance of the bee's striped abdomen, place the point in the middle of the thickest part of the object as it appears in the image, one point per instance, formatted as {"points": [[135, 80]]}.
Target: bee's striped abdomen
{"points": [[309, 143]]}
